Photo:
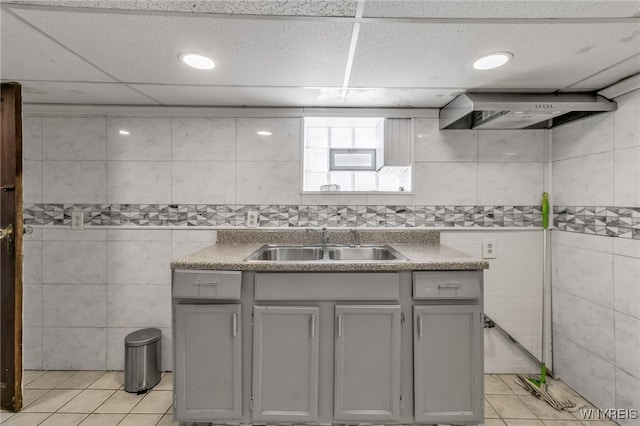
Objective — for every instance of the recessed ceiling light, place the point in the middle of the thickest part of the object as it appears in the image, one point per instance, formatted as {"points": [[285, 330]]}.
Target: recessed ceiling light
{"points": [[198, 61], [493, 60], [263, 133], [125, 132]]}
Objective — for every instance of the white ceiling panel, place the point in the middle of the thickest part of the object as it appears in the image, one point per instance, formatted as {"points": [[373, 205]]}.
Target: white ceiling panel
{"points": [[242, 7], [27, 54], [296, 97], [145, 48], [549, 56], [82, 93], [611, 75], [502, 9]]}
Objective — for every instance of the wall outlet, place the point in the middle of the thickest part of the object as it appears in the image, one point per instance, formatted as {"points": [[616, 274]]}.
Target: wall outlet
{"points": [[489, 249], [252, 219], [77, 220]]}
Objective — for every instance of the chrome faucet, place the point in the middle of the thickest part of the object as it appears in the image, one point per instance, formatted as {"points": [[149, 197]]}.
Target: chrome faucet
{"points": [[356, 238], [323, 234]]}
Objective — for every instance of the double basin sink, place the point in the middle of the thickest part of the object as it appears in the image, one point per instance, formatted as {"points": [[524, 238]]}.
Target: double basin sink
{"points": [[281, 253]]}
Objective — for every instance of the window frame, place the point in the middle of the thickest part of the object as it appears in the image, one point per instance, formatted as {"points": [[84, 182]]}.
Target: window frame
{"points": [[323, 113]]}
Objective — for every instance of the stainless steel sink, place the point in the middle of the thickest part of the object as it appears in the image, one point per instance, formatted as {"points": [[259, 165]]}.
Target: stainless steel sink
{"points": [[287, 254], [371, 253], [276, 253]]}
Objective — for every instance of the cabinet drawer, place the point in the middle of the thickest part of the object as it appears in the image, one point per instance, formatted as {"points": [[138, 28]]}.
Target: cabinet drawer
{"points": [[327, 286], [446, 285], [207, 284]]}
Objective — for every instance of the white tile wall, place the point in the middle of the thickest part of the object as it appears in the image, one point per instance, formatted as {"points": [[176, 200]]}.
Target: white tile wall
{"points": [[139, 262], [32, 255], [203, 182], [149, 139], [74, 138], [74, 182], [626, 276], [32, 305], [596, 162], [139, 306], [139, 182], [588, 374], [31, 138], [583, 137], [584, 181], [203, 139], [32, 181], [518, 184], [446, 183], [586, 323], [74, 348], [283, 144], [77, 305], [585, 273], [627, 332], [268, 182], [626, 179], [32, 347], [511, 146], [74, 262], [627, 121], [432, 144], [627, 395]]}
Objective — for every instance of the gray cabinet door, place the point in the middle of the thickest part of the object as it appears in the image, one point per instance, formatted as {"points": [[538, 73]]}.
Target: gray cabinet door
{"points": [[448, 364], [208, 362], [367, 363], [285, 364]]}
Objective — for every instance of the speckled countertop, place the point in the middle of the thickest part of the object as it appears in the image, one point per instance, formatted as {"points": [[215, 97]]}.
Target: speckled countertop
{"points": [[421, 247]]}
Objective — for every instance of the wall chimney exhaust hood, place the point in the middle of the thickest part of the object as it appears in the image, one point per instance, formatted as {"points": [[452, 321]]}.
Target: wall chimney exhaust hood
{"points": [[520, 110]]}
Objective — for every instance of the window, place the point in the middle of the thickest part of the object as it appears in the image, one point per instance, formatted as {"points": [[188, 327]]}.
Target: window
{"points": [[351, 154]]}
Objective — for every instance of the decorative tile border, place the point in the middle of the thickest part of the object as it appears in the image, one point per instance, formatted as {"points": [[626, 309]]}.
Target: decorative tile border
{"points": [[186, 215], [622, 222]]}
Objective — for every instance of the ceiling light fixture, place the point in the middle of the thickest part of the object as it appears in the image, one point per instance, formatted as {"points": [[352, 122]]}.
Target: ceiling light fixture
{"points": [[492, 60], [197, 61], [263, 133], [125, 132]]}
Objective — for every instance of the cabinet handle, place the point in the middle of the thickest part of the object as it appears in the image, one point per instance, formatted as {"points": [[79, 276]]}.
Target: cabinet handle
{"points": [[235, 325], [420, 326], [340, 325], [201, 282], [449, 285], [313, 326]]}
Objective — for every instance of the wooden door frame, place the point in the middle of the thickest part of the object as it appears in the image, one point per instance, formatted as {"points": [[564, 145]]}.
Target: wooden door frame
{"points": [[11, 263]]}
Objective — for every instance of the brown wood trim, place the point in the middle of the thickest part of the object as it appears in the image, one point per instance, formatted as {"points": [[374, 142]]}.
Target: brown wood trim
{"points": [[11, 211]]}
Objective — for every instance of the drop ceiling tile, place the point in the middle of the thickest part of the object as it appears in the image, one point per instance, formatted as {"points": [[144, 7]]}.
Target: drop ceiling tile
{"points": [[27, 54], [298, 97], [82, 93], [610, 76], [145, 48], [547, 56], [272, 7], [501, 9]]}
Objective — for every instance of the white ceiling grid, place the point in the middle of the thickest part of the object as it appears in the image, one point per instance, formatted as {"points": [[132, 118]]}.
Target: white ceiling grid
{"points": [[311, 53]]}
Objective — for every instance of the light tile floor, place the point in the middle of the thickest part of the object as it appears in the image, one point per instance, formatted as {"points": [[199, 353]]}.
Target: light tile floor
{"points": [[97, 398]]}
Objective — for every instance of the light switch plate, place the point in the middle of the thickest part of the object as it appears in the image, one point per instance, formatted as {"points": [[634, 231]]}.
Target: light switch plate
{"points": [[77, 220], [489, 249]]}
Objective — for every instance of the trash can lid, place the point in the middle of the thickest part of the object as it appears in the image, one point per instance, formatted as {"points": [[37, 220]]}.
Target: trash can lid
{"points": [[143, 337]]}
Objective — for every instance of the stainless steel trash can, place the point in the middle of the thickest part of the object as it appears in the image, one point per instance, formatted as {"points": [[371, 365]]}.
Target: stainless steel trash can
{"points": [[142, 351]]}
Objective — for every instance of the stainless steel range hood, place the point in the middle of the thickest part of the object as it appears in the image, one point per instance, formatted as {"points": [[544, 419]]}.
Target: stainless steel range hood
{"points": [[520, 110]]}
